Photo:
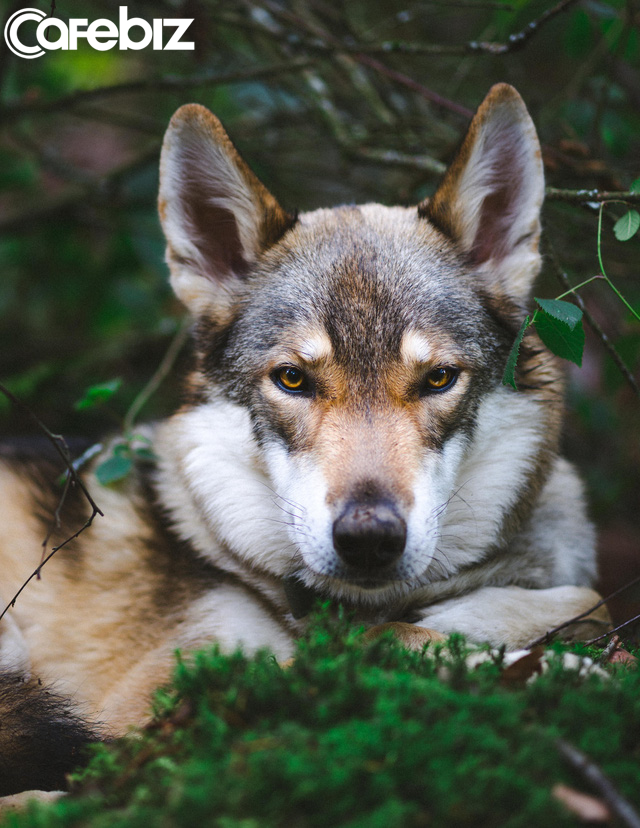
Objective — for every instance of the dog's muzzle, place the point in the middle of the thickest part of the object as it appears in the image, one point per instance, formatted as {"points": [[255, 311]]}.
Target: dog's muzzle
{"points": [[369, 536]]}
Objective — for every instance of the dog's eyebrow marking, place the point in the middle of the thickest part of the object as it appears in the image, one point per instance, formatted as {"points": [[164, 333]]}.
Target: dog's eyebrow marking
{"points": [[416, 347], [315, 347]]}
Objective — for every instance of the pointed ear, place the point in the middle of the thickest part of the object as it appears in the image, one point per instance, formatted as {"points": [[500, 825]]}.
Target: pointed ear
{"points": [[216, 216], [489, 201]]}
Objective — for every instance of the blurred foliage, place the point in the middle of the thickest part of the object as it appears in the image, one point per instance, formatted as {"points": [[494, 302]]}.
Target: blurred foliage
{"points": [[329, 102], [358, 734]]}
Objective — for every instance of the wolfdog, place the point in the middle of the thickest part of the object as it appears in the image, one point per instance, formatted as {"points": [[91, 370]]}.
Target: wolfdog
{"points": [[345, 435]]}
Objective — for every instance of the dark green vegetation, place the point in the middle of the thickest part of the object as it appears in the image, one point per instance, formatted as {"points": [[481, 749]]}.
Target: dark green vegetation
{"points": [[359, 734]]}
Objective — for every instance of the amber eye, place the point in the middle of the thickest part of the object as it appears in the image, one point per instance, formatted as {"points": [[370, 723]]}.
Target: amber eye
{"points": [[290, 379], [440, 379]]}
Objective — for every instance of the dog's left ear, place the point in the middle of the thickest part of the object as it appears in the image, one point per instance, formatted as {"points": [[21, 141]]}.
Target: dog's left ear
{"points": [[217, 217], [490, 198]]}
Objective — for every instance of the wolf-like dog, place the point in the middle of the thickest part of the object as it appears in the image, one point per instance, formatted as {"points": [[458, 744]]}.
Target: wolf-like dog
{"points": [[344, 435]]}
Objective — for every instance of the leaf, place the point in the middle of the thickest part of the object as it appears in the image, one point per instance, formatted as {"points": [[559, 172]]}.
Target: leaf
{"points": [[115, 468], [528, 665], [97, 394], [509, 376], [586, 807], [627, 226], [635, 187], [562, 340], [565, 312]]}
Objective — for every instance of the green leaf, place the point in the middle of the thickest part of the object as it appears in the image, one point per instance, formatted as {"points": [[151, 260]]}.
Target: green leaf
{"points": [[97, 394], [635, 187], [565, 312], [560, 338], [117, 467], [509, 376], [627, 226]]}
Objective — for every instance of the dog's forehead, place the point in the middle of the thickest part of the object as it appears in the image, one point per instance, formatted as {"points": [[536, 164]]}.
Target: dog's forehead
{"points": [[366, 275]]}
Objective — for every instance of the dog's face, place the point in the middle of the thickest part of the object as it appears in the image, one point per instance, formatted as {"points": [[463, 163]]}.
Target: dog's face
{"points": [[361, 340]]}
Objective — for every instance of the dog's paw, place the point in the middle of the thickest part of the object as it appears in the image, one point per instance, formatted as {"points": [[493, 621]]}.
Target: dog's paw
{"points": [[16, 802], [409, 635], [583, 600]]}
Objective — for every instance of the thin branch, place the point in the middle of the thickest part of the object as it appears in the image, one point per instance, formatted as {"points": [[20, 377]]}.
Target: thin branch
{"points": [[587, 196], [158, 377], [73, 479], [514, 42], [595, 777], [97, 189], [324, 41], [595, 327], [394, 158], [546, 638], [614, 630], [410, 83], [10, 112]]}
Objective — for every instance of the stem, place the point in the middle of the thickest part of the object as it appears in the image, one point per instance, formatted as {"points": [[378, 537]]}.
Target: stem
{"points": [[604, 275], [577, 287], [156, 380]]}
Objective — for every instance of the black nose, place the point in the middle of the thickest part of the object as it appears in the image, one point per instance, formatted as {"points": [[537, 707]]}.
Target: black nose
{"points": [[369, 535]]}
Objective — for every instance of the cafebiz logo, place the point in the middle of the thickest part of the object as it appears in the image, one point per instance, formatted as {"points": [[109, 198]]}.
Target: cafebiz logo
{"points": [[128, 33]]}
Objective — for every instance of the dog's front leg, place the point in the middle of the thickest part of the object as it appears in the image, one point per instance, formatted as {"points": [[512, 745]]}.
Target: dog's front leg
{"points": [[515, 617]]}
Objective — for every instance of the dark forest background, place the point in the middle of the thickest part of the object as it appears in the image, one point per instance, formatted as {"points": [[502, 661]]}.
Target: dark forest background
{"points": [[329, 102]]}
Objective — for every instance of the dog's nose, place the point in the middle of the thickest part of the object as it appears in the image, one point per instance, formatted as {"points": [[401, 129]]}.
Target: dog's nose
{"points": [[369, 535]]}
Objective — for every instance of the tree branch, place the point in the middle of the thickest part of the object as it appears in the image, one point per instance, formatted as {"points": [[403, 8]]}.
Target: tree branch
{"points": [[10, 112], [546, 638], [586, 196], [597, 779], [73, 479]]}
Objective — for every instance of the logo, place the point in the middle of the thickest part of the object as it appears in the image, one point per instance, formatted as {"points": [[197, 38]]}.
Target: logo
{"points": [[103, 34]]}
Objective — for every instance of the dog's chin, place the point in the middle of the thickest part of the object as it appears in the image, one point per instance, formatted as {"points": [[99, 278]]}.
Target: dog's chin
{"points": [[354, 584]]}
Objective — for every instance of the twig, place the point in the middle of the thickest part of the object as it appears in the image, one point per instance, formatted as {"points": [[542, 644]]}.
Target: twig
{"points": [[10, 112], [614, 630], [400, 159], [595, 777], [514, 42], [472, 4], [586, 196], [609, 650], [62, 449], [518, 40], [544, 639], [410, 83], [97, 187], [161, 372], [324, 41], [602, 336]]}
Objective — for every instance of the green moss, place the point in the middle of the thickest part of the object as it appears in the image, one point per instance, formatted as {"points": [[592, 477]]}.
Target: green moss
{"points": [[360, 735]]}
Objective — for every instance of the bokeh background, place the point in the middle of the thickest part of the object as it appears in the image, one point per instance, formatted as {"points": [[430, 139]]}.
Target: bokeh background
{"points": [[329, 102]]}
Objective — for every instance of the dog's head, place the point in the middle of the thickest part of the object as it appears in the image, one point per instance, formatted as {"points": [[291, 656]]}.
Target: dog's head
{"points": [[362, 341]]}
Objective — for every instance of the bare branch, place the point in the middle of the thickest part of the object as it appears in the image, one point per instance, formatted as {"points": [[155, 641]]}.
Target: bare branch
{"points": [[323, 41], [546, 638], [98, 188], [73, 479], [591, 773], [393, 158], [614, 630], [160, 374], [587, 196], [19, 109]]}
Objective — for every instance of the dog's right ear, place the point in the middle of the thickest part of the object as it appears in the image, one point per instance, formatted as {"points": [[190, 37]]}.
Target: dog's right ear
{"points": [[216, 215]]}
